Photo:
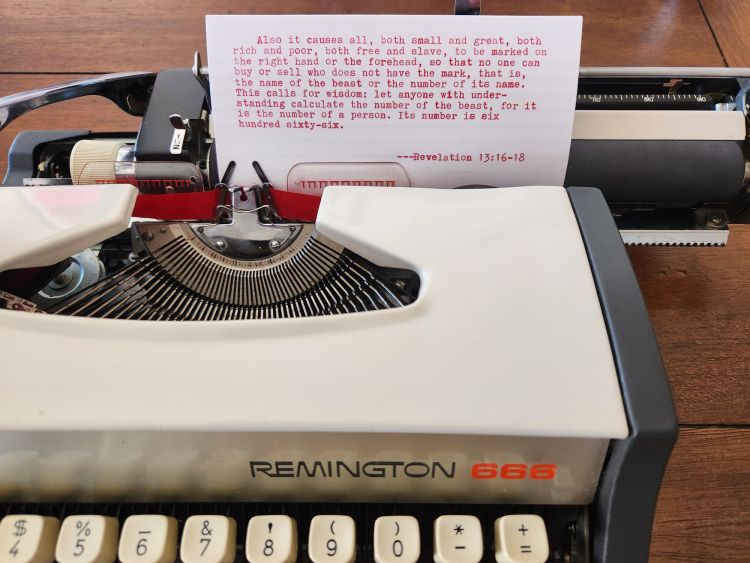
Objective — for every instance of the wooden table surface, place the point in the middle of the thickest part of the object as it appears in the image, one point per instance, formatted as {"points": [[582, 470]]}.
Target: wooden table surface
{"points": [[699, 298]]}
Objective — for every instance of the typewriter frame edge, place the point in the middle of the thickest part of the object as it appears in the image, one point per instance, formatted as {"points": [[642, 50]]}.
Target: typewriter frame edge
{"points": [[625, 502]]}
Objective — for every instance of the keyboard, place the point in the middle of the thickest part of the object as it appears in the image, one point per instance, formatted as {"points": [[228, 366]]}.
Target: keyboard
{"points": [[288, 532]]}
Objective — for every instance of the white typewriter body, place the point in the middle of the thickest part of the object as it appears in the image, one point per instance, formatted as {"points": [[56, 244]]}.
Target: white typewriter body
{"points": [[496, 385]]}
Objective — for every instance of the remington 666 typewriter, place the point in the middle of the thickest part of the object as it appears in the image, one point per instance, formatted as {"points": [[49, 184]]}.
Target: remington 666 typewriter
{"points": [[346, 382]]}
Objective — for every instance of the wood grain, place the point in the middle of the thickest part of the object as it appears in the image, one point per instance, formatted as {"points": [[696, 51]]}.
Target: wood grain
{"points": [[642, 33], [703, 513], [699, 302], [729, 20], [94, 36]]}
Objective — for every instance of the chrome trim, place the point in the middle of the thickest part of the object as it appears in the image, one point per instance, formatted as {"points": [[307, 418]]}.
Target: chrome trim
{"points": [[120, 87], [665, 72]]}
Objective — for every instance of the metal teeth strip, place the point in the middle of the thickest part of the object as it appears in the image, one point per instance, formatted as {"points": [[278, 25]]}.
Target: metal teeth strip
{"points": [[176, 282], [658, 237]]}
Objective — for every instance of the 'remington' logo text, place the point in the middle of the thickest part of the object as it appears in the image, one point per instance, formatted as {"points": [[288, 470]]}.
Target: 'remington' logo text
{"points": [[393, 469]]}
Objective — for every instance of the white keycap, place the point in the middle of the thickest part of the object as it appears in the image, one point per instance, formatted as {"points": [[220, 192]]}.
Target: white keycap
{"points": [[26, 538], [396, 539], [458, 539], [148, 538], [271, 539], [333, 539], [521, 538], [208, 539], [87, 539]]}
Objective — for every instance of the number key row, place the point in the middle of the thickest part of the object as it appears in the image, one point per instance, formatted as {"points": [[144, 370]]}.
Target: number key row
{"points": [[269, 539], [145, 538]]}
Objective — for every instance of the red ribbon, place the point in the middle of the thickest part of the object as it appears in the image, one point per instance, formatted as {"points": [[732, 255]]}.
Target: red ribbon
{"points": [[296, 207], [201, 206], [191, 206]]}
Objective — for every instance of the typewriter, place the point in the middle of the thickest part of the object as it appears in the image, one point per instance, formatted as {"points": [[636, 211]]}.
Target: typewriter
{"points": [[207, 372]]}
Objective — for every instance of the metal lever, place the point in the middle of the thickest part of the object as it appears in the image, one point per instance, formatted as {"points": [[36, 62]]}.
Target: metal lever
{"points": [[182, 124], [178, 122], [245, 236], [129, 90]]}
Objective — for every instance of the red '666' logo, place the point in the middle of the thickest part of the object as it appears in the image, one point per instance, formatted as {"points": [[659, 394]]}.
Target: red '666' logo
{"points": [[538, 471]]}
